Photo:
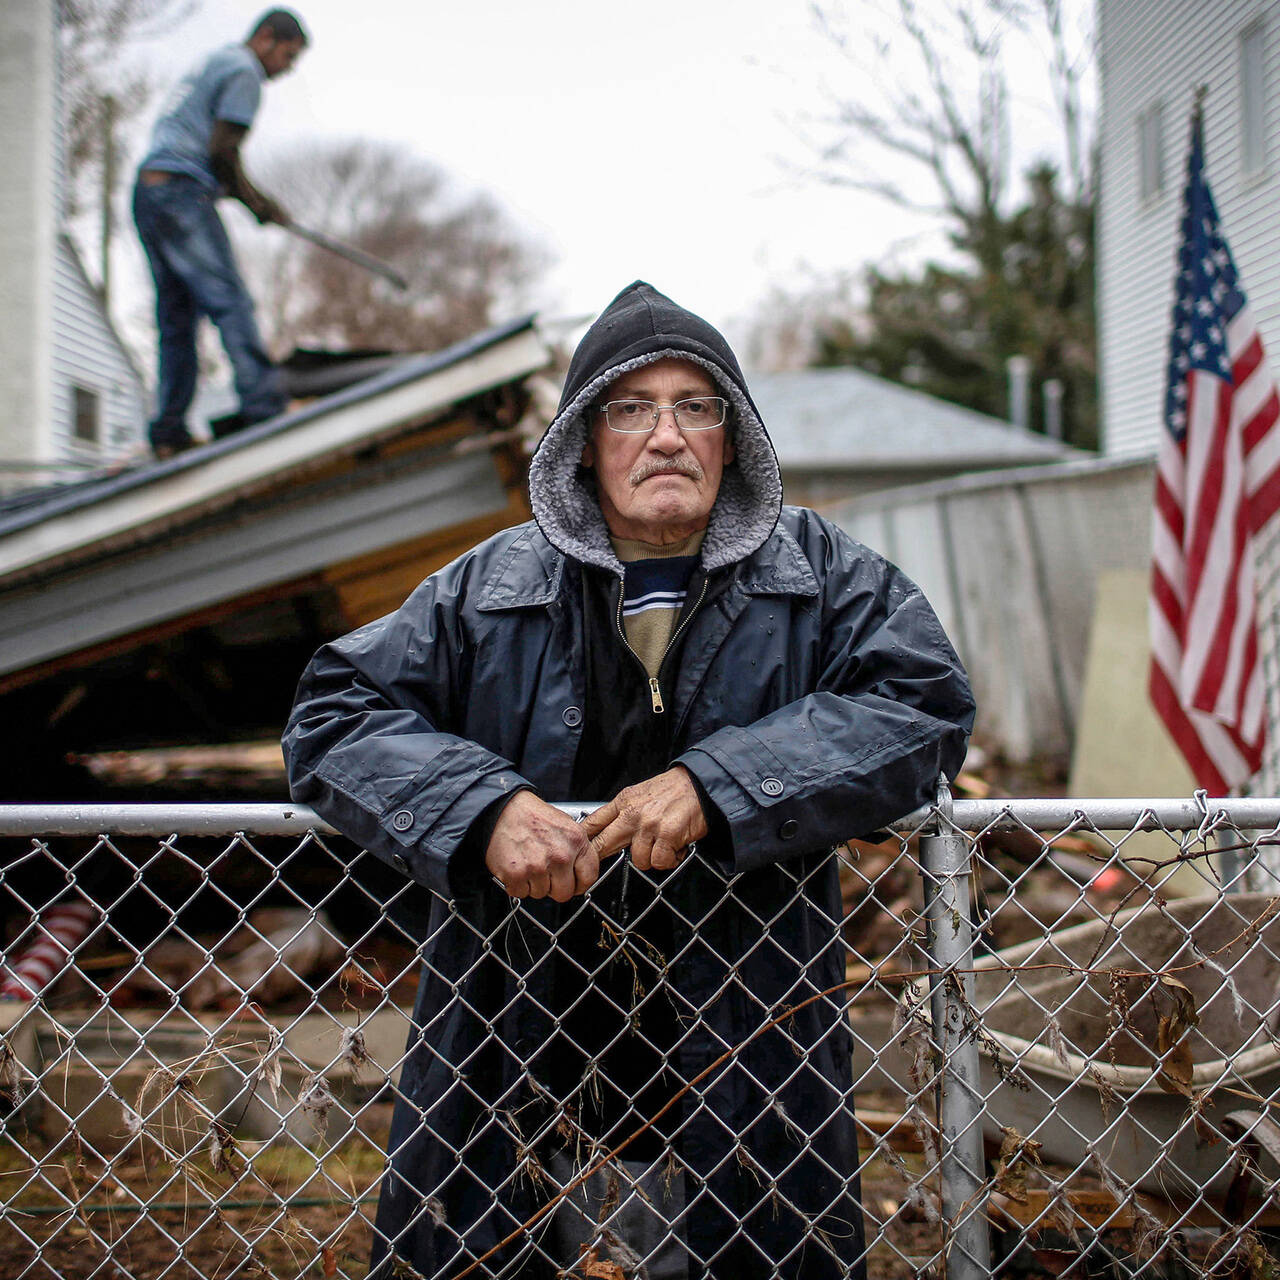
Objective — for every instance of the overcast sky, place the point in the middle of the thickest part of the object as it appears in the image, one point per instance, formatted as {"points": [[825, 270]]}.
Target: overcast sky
{"points": [[551, 105]]}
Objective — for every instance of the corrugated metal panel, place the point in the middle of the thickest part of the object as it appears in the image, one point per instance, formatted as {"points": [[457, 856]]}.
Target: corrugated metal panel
{"points": [[1011, 566], [87, 353], [271, 541], [1159, 51]]}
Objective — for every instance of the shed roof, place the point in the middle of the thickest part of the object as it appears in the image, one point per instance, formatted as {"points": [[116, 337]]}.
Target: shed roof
{"points": [[43, 528], [847, 418]]}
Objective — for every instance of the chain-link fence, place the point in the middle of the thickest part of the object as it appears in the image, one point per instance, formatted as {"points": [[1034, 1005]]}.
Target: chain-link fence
{"points": [[1065, 1044]]}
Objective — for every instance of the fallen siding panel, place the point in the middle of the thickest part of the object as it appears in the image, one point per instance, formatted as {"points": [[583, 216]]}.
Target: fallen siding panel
{"points": [[1010, 561], [276, 543]]}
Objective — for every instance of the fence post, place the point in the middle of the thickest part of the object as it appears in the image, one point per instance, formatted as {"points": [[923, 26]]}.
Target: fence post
{"points": [[945, 866]]}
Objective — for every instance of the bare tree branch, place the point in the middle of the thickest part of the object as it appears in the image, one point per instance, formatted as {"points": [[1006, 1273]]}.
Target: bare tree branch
{"points": [[464, 261], [1067, 71], [930, 88], [95, 37]]}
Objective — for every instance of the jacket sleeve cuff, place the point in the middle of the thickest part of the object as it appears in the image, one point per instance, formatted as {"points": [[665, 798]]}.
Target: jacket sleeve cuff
{"points": [[423, 832], [748, 834], [717, 837], [772, 814]]}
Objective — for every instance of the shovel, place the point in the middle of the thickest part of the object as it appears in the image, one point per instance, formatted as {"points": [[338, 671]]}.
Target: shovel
{"points": [[351, 253]]}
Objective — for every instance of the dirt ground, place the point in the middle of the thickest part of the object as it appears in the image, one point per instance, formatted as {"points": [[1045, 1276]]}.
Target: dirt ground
{"points": [[270, 1198], [287, 1212]]}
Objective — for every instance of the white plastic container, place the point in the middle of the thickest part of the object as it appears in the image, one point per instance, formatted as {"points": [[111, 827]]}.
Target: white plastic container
{"points": [[1146, 1136]]}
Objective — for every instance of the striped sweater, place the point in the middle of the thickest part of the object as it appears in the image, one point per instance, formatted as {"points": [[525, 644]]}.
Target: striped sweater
{"points": [[653, 592]]}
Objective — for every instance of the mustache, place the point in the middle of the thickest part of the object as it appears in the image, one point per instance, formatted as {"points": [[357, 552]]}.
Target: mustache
{"points": [[666, 466]]}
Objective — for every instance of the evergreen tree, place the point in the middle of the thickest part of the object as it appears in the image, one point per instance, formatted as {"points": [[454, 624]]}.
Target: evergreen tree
{"points": [[949, 331]]}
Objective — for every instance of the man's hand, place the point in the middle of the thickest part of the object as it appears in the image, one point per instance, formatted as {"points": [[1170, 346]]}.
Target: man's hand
{"points": [[537, 852], [265, 209], [658, 818]]}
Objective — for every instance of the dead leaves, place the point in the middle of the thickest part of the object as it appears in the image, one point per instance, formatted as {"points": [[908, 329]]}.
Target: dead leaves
{"points": [[592, 1265], [620, 1261], [11, 1089], [1177, 1068], [352, 1049], [1016, 1155], [1240, 1255], [315, 1098], [272, 1072], [1176, 1016], [222, 1147]]}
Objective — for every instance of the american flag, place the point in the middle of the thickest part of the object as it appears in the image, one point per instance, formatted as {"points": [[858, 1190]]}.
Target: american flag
{"points": [[1217, 484]]}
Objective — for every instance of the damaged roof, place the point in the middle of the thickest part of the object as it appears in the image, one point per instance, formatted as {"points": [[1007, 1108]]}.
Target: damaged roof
{"points": [[400, 456], [40, 529]]}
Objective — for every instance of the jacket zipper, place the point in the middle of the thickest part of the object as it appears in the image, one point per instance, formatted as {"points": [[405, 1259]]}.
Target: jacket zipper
{"points": [[655, 697], [655, 689]]}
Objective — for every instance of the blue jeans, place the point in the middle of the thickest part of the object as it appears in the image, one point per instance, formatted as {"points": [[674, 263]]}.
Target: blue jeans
{"points": [[195, 274]]}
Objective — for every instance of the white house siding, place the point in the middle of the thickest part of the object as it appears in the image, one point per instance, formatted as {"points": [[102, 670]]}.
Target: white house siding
{"points": [[58, 132], [1158, 51], [27, 226], [87, 353], [85, 350], [54, 335]]}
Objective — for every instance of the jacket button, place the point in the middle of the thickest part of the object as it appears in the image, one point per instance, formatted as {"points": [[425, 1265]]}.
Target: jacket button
{"points": [[402, 819], [772, 787], [572, 716], [788, 829]]}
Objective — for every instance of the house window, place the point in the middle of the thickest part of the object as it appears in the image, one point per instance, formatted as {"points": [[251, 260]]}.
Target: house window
{"points": [[1150, 153], [88, 415], [1253, 99]]}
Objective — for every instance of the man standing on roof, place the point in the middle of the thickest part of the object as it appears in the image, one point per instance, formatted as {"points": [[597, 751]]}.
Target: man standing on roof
{"points": [[193, 158], [746, 686]]}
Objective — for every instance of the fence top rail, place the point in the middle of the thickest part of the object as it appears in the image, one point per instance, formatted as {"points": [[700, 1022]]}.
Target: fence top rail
{"points": [[1036, 814]]}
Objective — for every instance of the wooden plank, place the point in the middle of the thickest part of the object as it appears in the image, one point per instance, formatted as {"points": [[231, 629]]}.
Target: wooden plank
{"points": [[1093, 1206], [893, 1127], [380, 588], [1099, 1209]]}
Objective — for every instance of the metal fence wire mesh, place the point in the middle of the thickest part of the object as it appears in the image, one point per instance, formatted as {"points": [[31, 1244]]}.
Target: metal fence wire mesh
{"points": [[1064, 1016]]}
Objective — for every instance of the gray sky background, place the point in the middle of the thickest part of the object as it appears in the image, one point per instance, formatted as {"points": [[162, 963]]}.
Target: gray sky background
{"points": [[546, 105]]}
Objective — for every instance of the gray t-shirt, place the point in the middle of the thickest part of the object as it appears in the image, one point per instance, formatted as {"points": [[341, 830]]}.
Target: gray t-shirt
{"points": [[225, 86]]}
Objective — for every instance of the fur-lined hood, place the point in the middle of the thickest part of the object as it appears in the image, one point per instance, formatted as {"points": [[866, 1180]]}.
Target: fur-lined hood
{"points": [[637, 328]]}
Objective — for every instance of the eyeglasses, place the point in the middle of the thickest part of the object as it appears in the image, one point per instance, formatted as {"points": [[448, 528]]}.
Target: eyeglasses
{"points": [[639, 417]]}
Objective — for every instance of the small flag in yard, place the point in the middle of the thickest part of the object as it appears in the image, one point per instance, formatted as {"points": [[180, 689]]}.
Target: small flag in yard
{"points": [[1217, 484]]}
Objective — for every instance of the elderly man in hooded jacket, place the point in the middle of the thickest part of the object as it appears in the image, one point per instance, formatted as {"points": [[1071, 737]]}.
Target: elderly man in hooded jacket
{"points": [[745, 686]]}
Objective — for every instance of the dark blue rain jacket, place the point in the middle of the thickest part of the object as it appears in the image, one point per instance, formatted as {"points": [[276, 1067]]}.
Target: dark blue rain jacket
{"points": [[815, 698]]}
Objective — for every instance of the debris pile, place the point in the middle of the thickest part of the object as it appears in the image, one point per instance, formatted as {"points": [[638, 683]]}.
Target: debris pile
{"points": [[1027, 884], [266, 961]]}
